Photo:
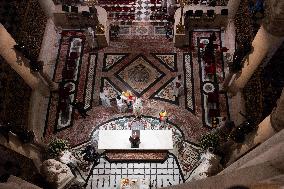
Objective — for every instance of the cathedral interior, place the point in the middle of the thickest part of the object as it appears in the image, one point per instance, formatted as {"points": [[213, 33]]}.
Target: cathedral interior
{"points": [[141, 94]]}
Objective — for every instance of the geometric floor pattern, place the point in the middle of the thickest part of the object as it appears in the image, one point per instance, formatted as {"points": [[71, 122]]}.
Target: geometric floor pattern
{"points": [[166, 93], [111, 59], [107, 175], [176, 169], [139, 75], [207, 84], [189, 82], [80, 83], [147, 65], [89, 90], [168, 60]]}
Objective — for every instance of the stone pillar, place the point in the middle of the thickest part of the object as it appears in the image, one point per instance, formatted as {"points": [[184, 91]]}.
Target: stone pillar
{"points": [[274, 18], [265, 41], [261, 44], [230, 36], [48, 7], [265, 130], [277, 115], [19, 63], [233, 6]]}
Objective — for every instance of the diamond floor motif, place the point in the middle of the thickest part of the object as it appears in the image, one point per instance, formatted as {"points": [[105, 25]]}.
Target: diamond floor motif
{"points": [[139, 75]]}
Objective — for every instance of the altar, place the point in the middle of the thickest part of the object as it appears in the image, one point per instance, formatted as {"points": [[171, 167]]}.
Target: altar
{"points": [[149, 140]]}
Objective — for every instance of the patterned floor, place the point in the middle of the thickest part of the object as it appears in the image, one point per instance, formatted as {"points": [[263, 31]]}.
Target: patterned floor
{"points": [[108, 175], [207, 84], [176, 169], [146, 65]]}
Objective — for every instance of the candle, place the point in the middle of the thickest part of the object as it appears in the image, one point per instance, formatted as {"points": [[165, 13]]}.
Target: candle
{"points": [[163, 115]]}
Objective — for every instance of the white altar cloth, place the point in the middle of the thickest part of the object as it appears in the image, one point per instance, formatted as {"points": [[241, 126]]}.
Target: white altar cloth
{"points": [[150, 140]]}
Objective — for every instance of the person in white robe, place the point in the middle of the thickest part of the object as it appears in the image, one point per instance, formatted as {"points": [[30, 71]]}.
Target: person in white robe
{"points": [[138, 107]]}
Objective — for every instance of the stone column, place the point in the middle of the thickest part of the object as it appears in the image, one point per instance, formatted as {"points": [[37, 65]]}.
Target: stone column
{"points": [[261, 44], [265, 130], [265, 41], [233, 6], [48, 7], [230, 36], [19, 63], [274, 18]]}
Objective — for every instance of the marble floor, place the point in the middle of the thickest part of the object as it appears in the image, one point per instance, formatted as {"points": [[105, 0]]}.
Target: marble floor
{"points": [[117, 68], [108, 175]]}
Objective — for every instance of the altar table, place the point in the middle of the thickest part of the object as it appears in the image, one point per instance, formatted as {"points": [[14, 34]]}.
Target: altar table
{"points": [[150, 140]]}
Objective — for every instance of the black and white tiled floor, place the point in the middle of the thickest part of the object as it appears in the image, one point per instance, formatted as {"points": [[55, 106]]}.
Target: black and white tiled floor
{"points": [[108, 175]]}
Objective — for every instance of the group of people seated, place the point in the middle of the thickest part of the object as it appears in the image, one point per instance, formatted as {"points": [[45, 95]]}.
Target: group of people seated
{"points": [[127, 101]]}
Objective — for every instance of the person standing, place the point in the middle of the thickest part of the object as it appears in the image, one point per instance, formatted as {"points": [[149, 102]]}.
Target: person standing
{"points": [[138, 108], [104, 99], [178, 86], [90, 37], [120, 104], [80, 108]]}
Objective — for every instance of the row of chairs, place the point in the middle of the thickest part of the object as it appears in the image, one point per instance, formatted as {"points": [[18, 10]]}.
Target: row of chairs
{"points": [[158, 8], [119, 9], [208, 2], [161, 17], [118, 2], [118, 16], [199, 13], [155, 1], [75, 9]]}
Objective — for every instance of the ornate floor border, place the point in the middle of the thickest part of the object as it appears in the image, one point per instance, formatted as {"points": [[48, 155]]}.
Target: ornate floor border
{"points": [[202, 83], [75, 83], [90, 81], [188, 82]]}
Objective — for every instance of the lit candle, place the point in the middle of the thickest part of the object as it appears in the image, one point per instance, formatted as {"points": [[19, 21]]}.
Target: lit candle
{"points": [[163, 115]]}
